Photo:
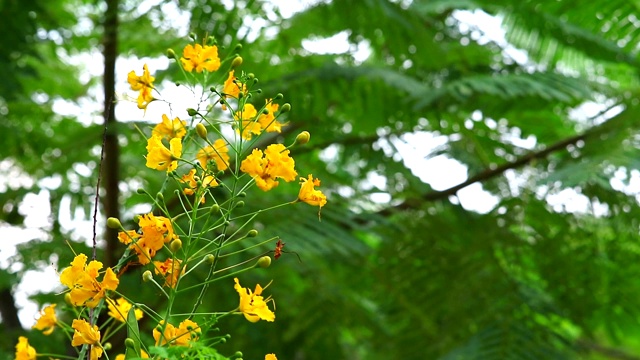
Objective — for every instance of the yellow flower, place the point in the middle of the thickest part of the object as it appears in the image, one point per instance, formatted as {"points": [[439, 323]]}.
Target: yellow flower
{"points": [[219, 153], [270, 357], [247, 122], [232, 88], [156, 231], [268, 121], [161, 158], [187, 331], [200, 58], [87, 334], [144, 84], [309, 194], [252, 304], [170, 270], [126, 237], [266, 168], [47, 321], [169, 129], [143, 354], [82, 280], [24, 351], [119, 309]]}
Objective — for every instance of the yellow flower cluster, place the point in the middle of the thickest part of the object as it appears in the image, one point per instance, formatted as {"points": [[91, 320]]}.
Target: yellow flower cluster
{"points": [[249, 123], [265, 168], [186, 332], [252, 305], [81, 278], [119, 309], [155, 232]]}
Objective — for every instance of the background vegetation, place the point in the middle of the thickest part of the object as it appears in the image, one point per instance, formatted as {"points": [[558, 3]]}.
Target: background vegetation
{"points": [[416, 276]]}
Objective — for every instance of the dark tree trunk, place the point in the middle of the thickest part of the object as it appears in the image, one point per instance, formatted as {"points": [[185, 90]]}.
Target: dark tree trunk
{"points": [[111, 165]]}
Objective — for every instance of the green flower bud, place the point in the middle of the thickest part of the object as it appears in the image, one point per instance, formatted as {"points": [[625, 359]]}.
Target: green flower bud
{"points": [[160, 196], [129, 343], [171, 54], [278, 96], [202, 131], [265, 111], [192, 35], [114, 223], [107, 346], [285, 108], [215, 208], [242, 194], [175, 245], [258, 91], [142, 191], [264, 262], [251, 76], [192, 112], [238, 47], [252, 233], [237, 61], [302, 138], [210, 258], [147, 276], [240, 204]]}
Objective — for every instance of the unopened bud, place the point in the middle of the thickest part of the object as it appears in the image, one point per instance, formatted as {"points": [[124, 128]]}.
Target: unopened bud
{"points": [[278, 96], [67, 299], [242, 194], [258, 91], [175, 245], [215, 208], [130, 343], [202, 131], [240, 204], [114, 223], [107, 346], [142, 191], [236, 356], [285, 108], [171, 54], [237, 61], [252, 233], [251, 76], [303, 138], [147, 276], [265, 111], [210, 258], [192, 35], [237, 47], [264, 262], [160, 196], [192, 112]]}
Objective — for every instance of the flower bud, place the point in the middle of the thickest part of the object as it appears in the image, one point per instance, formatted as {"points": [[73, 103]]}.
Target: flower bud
{"points": [[210, 258], [129, 343], [240, 204], [252, 233], [202, 131], [278, 96], [258, 91], [142, 191], [236, 356], [192, 112], [237, 61], [265, 111], [67, 299], [171, 54], [175, 245], [242, 194], [237, 47], [147, 276], [215, 208], [251, 76], [264, 262], [286, 107], [160, 196], [114, 223], [107, 346], [302, 138], [192, 35]]}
